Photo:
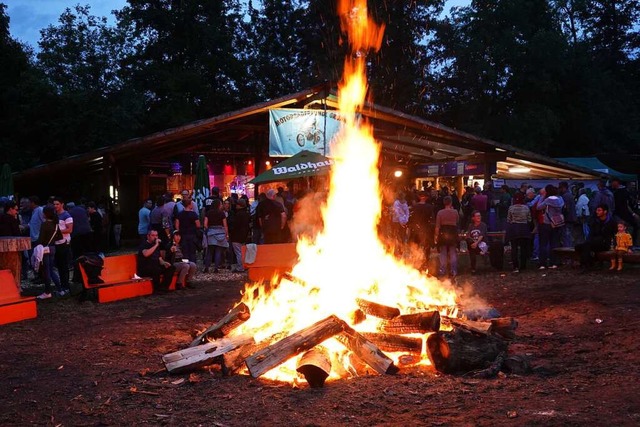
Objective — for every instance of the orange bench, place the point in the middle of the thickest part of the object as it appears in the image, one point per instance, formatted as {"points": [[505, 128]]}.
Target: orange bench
{"points": [[14, 307], [270, 260], [118, 273]]}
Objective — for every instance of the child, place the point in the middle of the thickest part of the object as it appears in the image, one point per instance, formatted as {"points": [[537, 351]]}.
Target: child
{"points": [[623, 245]]}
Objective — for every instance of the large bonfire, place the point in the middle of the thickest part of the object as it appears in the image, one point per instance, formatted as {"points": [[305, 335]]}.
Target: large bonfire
{"points": [[345, 261]]}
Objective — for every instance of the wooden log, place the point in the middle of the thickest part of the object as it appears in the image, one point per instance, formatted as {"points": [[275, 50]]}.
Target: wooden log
{"points": [[196, 357], [234, 360], [394, 343], [377, 310], [428, 321], [356, 317], [315, 365], [236, 316], [461, 351], [470, 325], [268, 358], [504, 327], [367, 351]]}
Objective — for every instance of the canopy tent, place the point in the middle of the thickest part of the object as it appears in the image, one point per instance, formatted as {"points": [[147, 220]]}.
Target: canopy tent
{"points": [[6, 181], [300, 165]]}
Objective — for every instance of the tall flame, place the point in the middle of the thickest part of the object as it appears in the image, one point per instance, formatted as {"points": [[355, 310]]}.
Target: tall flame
{"points": [[346, 260]]}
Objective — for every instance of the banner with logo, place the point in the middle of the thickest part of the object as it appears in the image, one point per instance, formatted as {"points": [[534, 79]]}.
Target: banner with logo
{"points": [[294, 130]]}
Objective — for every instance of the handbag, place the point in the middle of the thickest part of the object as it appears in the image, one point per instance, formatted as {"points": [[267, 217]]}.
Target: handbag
{"points": [[556, 220]]}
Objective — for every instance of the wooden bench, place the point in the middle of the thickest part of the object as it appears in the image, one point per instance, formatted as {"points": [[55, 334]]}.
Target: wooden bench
{"points": [[14, 307], [570, 253], [270, 260], [117, 274]]}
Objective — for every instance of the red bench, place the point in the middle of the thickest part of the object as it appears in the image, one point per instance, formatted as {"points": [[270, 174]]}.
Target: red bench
{"points": [[14, 307], [273, 259], [117, 274]]}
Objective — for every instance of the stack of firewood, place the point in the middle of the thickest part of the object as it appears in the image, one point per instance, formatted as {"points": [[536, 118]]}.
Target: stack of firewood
{"points": [[469, 345]]}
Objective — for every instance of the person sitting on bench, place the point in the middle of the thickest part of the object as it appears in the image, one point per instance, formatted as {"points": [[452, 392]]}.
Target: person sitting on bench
{"points": [[151, 264], [186, 269], [602, 230]]}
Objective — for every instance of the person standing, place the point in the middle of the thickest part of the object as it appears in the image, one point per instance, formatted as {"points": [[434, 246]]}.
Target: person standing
{"points": [[239, 233], [446, 233], [550, 230], [502, 207], [188, 222], [49, 232], [422, 225], [582, 212], [476, 239], [217, 229], [272, 218], [81, 237], [569, 212], [96, 221], [399, 220], [518, 232], [9, 222], [144, 219], [480, 203], [63, 246]]}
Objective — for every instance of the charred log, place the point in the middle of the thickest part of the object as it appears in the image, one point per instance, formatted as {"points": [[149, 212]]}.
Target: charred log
{"points": [[367, 351], [237, 316], [315, 365], [196, 357], [428, 321], [461, 351]]}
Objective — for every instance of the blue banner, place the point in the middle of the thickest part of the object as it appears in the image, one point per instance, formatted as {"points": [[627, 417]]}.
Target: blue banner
{"points": [[292, 131]]}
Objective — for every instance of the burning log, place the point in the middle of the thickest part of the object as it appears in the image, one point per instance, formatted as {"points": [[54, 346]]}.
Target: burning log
{"points": [[367, 351], [238, 315], [377, 310], [482, 328], [315, 365], [394, 343], [356, 317], [463, 351], [234, 360], [428, 321], [196, 357], [268, 358]]}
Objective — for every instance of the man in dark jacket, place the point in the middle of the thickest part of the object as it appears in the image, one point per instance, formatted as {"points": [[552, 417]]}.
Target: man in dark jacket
{"points": [[9, 222], [239, 233], [602, 229], [569, 212]]}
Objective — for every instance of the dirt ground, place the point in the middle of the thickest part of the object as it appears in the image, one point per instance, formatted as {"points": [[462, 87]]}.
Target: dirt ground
{"points": [[89, 364]]}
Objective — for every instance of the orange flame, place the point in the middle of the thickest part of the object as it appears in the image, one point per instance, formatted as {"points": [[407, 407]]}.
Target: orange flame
{"points": [[346, 260]]}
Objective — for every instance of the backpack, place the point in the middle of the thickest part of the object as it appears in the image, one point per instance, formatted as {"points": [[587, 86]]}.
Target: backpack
{"points": [[92, 265]]}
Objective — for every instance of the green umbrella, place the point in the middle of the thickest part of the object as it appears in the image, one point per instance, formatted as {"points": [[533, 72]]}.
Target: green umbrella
{"points": [[300, 165], [201, 184], [6, 181]]}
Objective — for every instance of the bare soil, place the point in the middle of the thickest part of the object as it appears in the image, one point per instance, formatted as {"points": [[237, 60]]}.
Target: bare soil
{"points": [[89, 364]]}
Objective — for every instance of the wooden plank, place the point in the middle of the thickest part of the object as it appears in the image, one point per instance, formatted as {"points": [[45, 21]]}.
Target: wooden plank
{"points": [[192, 358], [365, 350], [235, 317]]}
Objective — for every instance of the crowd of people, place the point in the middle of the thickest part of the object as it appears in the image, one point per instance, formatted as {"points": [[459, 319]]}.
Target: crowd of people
{"points": [[533, 223], [59, 232], [174, 235]]}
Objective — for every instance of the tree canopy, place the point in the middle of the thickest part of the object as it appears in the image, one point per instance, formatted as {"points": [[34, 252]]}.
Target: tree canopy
{"points": [[559, 77]]}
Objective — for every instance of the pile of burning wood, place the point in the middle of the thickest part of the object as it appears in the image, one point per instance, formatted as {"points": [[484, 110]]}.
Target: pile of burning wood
{"points": [[467, 346]]}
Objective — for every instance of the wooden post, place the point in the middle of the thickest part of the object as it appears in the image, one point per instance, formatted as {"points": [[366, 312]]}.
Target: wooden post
{"points": [[428, 321], [238, 315], [268, 358], [195, 357], [366, 350]]}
